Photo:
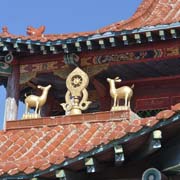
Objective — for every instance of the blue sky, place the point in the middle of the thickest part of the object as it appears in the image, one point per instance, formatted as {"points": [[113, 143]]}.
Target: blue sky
{"points": [[61, 17]]}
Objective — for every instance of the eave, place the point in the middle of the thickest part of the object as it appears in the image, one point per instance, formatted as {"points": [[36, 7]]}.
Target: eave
{"points": [[93, 42], [135, 130]]}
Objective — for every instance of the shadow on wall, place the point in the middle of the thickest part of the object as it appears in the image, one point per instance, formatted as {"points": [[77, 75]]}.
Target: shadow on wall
{"points": [[2, 106]]}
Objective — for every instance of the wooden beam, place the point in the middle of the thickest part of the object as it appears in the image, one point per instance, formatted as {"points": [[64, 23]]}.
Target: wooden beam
{"points": [[92, 166], [137, 37], [125, 39], [89, 45], [149, 36], [119, 154], [41, 178], [174, 33], [129, 171], [78, 46], [63, 174], [65, 48], [102, 43], [152, 145], [162, 35], [168, 159], [113, 41], [154, 79]]}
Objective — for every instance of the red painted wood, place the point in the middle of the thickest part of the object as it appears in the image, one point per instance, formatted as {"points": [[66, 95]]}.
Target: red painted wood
{"points": [[111, 51], [102, 93], [157, 94]]}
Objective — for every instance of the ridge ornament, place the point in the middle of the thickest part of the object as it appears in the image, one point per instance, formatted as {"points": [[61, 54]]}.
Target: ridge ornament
{"points": [[76, 96]]}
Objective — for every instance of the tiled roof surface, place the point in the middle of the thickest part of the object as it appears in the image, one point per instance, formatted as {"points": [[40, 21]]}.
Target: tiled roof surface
{"points": [[149, 13], [31, 145]]}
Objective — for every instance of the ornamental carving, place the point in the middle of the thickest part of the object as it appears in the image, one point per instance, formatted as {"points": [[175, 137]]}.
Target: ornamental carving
{"points": [[76, 96], [35, 32], [36, 102], [125, 93]]}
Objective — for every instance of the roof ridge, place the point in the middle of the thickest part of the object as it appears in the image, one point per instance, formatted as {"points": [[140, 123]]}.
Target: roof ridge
{"points": [[144, 7], [106, 116]]}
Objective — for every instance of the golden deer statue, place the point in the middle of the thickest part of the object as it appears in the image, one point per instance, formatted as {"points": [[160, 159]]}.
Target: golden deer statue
{"points": [[124, 92], [33, 101]]}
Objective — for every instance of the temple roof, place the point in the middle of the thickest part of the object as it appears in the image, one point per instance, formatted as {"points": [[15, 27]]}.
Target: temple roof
{"points": [[30, 148], [150, 13]]}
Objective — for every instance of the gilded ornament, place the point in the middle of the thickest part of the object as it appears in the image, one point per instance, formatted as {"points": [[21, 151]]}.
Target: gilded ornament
{"points": [[76, 96], [33, 101], [124, 92]]}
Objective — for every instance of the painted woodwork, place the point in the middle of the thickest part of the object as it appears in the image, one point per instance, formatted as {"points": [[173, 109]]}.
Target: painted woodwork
{"points": [[129, 54], [152, 103], [102, 95], [5, 64], [5, 69], [29, 71], [156, 94]]}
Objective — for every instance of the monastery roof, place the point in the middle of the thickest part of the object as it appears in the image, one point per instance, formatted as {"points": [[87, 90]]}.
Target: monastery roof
{"points": [[150, 13], [34, 146]]}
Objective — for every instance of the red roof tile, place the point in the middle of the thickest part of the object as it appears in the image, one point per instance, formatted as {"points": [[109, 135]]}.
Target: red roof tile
{"points": [[149, 13], [28, 146]]}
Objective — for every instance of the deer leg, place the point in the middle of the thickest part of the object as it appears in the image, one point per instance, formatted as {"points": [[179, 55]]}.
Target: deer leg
{"points": [[118, 102], [115, 99], [37, 104], [126, 99], [39, 112], [26, 110], [129, 103]]}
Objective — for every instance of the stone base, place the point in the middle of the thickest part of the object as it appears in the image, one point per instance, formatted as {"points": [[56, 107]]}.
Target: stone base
{"points": [[119, 108], [31, 116]]}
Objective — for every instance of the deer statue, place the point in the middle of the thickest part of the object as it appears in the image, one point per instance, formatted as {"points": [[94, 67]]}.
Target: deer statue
{"points": [[124, 92], [37, 101]]}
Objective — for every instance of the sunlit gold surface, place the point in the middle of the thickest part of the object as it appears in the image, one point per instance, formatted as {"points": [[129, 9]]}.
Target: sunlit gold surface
{"points": [[124, 92], [76, 96], [33, 101]]}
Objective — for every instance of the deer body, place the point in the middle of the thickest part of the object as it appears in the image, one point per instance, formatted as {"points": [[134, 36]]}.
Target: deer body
{"points": [[124, 92], [37, 101]]}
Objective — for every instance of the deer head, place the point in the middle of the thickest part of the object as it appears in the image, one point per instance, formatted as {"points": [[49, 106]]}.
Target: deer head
{"points": [[116, 79]]}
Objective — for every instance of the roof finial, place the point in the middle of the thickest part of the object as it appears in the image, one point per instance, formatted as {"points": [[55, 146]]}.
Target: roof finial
{"points": [[5, 30], [35, 32]]}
